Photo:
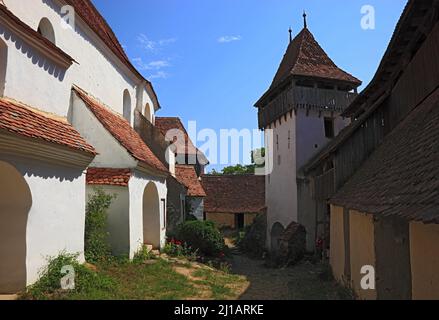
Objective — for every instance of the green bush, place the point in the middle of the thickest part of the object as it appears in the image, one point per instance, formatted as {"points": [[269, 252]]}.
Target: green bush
{"points": [[202, 236], [96, 235], [49, 284], [191, 217]]}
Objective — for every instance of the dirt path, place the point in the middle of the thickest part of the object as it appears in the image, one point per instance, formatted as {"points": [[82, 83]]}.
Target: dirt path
{"points": [[302, 282]]}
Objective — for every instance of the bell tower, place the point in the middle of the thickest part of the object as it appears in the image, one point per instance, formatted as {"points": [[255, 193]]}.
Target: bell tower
{"points": [[303, 108]]}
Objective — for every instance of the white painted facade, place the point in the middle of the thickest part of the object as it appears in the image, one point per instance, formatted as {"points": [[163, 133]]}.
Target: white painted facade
{"points": [[296, 140], [57, 217]]}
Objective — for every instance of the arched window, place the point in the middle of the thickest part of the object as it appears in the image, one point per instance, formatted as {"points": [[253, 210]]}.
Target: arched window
{"points": [[127, 106], [3, 64], [148, 113], [45, 28]]}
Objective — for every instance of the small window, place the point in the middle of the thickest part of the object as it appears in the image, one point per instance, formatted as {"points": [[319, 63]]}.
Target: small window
{"points": [[329, 128], [277, 142], [289, 139], [45, 28], [127, 106]]}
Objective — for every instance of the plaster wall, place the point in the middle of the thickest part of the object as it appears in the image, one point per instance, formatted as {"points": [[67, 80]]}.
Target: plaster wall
{"points": [[424, 251]]}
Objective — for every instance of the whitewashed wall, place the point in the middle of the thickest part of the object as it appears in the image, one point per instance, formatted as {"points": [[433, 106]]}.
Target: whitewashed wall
{"points": [[56, 220], [34, 80], [307, 138], [281, 188], [310, 133], [118, 214], [137, 186]]}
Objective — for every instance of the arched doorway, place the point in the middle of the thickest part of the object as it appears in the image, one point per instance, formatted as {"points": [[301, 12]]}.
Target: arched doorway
{"points": [[45, 28], [276, 232], [3, 65], [151, 216], [15, 203]]}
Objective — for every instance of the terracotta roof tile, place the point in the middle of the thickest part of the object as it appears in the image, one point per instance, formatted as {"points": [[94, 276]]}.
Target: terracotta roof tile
{"points": [[109, 177], [402, 176], [234, 193], [305, 57], [23, 121], [187, 176], [165, 124], [122, 131]]}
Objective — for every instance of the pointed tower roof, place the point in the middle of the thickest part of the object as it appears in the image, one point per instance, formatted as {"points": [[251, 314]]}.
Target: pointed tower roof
{"points": [[305, 57]]}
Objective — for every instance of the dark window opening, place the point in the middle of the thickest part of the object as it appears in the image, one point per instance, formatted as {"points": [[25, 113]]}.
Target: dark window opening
{"points": [[329, 128], [240, 221]]}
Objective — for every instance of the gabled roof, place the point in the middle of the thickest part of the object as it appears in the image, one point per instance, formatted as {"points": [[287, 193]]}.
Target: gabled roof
{"points": [[166, 124], [401, 178], [21, 120], [234, 193], [91, 16], [187, 176], [108, 177], [122, 131], [305, 57]]}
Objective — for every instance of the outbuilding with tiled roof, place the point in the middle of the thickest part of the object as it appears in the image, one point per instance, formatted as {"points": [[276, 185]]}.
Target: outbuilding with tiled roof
{"points": [[233, 201]]}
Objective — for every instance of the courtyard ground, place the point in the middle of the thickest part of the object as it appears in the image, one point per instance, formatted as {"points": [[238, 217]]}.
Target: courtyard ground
{"points": [[305, 281]]}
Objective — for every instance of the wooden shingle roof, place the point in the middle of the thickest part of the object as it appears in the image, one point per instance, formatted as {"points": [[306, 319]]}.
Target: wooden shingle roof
{"points": [[401, 178]]}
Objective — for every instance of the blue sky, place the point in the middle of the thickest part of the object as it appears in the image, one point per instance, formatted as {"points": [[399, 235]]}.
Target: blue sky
{"points": [[210, 60]]}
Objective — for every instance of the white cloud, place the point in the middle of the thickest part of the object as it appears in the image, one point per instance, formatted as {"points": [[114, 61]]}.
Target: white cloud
{"points": [[151, 45], [159, 75], [153, 65], [227, 39]]}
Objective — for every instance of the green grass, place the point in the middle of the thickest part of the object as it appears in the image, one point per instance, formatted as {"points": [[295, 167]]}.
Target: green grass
{"points": [[114, 281], [220, 283]]}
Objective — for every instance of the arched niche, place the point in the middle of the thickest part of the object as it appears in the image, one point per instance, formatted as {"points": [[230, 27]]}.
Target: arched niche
{"points": [[127, 105], [45, 28], [15, 203], [151, 216]]}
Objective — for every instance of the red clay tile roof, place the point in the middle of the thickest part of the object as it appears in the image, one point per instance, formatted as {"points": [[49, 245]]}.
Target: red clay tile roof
{"points": [[88, 12], [234, 193], [401, 178], [187, 176], [108, 177], [305, 57], [165, 124], [122, 131], [18, 119]]}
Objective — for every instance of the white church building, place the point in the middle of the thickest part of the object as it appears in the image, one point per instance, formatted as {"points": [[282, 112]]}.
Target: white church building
{"points": [[302, 108], [68, 96]]}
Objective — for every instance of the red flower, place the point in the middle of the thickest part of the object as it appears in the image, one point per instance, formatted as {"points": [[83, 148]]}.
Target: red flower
{"points": [[222, 255], [178, 243]]}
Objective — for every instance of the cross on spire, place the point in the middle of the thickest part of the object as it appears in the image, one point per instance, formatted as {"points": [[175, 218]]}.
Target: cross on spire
{"points": [[305, 25]]}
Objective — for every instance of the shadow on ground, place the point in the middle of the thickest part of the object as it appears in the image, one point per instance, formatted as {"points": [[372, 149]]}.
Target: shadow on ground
{"points": [[305, 281]]}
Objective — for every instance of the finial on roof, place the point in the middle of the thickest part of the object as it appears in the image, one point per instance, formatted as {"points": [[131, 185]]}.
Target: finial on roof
{"points": [[305, 25], [291, 34]]}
